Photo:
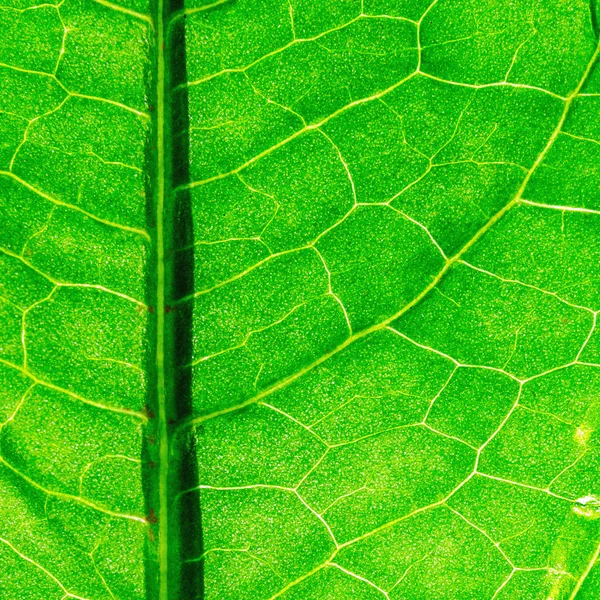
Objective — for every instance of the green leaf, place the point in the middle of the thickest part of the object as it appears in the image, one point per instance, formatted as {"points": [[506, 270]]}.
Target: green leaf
{"points": [[298, 300]]}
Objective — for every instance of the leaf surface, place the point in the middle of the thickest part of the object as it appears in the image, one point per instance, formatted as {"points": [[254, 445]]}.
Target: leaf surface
{"points": [[299, 300], [74, 262]]}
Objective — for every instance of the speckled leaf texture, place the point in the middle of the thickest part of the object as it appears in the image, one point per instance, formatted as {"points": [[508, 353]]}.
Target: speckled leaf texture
{"points": [[298, 300]]}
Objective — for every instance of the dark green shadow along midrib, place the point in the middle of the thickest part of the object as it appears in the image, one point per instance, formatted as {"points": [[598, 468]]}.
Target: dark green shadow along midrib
{"points": [[189, 582], [177, 528]]}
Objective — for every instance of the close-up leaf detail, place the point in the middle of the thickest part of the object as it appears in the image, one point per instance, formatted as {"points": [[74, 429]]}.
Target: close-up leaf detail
{"points": [[298, 300]]}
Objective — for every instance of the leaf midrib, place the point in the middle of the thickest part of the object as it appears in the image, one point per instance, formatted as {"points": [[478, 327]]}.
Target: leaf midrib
{"points": [[161, 390]]}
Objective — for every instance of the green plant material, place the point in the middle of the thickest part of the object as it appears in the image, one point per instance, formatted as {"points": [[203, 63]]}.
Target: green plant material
{"points": [[298, 300]]}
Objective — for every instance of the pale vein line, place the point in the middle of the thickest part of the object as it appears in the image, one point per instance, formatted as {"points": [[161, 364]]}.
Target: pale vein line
{"points": [[331, 292], [410, 515], [527, 285], [237, 488], [249, 335], [30, 71], [24, 323], [18, 406], [319, 516], [585, 573], [418, 224], [439, 393], [495, 84], [63, 41], [102, 579], [419, 23], [568, 467], [342, 160], [355, 576], [32, 8], [580, 138], [74, 207], [527, 486], [379, 432], [485, 534], [504, 584], [362, 488], [241, 274], [302, 578], [284, 414], [423, 346], [588, 338], [104, 289], [534, 32], [447, 435], [407, 571], [575, 209], [116, 361], [135, 111], [71, 497]]}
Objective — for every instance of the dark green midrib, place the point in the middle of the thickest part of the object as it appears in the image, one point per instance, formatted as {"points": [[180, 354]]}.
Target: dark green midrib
{"points": [[172, 276]]}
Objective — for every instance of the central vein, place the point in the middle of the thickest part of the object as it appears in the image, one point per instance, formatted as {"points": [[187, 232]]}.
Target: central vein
{"points": [[161, 194]]}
